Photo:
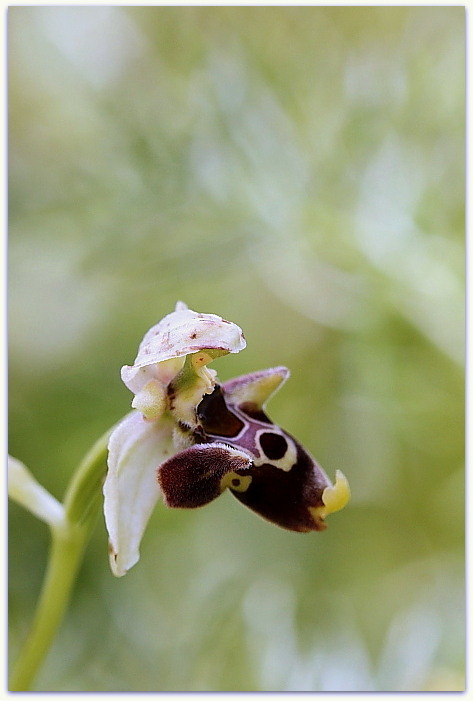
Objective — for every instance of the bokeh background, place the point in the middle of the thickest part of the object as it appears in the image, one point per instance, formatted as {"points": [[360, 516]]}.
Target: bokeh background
{"points": [[300, 171]]}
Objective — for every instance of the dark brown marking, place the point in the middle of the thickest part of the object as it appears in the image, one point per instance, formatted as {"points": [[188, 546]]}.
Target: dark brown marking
{"points": [[171, 392], [236, 482], [215, 416], [273, 445], [252, 410]]}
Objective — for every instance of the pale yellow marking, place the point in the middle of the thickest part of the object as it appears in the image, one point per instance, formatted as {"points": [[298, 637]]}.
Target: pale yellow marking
{"points": [[199, 361], [200, 358], [334, 498], [288, 460], [244, 482], [151, 400]]}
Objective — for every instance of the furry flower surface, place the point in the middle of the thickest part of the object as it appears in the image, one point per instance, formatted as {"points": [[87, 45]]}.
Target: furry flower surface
{"points": [[190, 438]]}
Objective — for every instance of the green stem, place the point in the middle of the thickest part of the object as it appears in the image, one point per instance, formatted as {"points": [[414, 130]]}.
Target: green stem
{"points": [[69, 539], [64, 561]]}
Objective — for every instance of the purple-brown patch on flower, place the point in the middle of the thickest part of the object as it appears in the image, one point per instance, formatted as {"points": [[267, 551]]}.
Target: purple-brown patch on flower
{"points": [[215, 416], [193, 477], [190, 439], [286, 497]]}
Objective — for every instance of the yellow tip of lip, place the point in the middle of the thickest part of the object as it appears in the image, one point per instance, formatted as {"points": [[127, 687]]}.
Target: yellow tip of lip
{"points": [[336, 497]]}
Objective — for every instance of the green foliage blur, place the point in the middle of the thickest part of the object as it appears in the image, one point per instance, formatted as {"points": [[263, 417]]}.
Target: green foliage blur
{"points": [[299, 171]]}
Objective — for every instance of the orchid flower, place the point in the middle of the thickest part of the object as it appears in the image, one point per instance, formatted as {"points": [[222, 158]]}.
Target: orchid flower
{"points": [[190, 438], [187, 439]]}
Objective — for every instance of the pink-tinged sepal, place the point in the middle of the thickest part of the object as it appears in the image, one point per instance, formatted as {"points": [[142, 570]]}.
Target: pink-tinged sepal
{"points": [[252, 391], [199, 474]]}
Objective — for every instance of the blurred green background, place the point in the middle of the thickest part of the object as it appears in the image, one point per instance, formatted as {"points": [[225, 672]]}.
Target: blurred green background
{"points": [[300, 171]]}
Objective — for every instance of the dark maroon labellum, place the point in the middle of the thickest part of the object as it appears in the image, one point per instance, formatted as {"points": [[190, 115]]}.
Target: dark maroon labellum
{"points": [[238, 447]]}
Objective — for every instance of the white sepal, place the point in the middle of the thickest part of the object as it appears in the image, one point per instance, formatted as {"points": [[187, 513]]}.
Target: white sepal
{"points": [[136, 448]]}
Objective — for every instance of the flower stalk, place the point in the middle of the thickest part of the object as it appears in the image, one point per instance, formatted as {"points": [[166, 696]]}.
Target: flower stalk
{"points": [[65, 557], [69, 537]]}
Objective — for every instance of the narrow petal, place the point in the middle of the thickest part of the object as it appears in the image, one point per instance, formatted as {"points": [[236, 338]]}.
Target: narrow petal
{"points": [[256, 387], [136, 448], [25, 490], [196, 476]]}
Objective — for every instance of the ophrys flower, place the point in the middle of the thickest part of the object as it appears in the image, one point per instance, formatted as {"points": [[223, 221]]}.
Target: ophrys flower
{"points": [[191, 438]]}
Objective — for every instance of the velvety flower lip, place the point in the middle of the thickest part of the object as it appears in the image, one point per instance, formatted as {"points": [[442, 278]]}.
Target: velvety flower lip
{"points": [[189, 439]]}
